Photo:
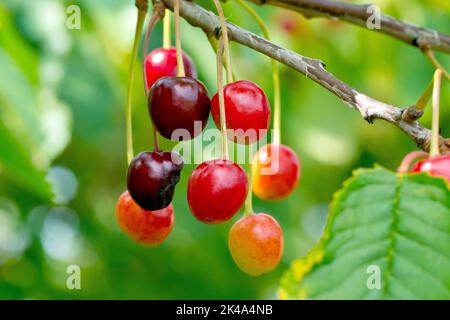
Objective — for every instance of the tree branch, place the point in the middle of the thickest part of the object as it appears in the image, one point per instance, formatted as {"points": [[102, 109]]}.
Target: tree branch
{"points": [[359, 15], [369, 108]]}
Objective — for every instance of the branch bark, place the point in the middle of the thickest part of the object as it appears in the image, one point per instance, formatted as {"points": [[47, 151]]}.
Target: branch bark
{"points": [[359, 15], [369, 108]]}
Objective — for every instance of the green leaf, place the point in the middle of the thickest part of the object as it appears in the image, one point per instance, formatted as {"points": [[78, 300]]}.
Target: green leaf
{"points": [[395, 222], [17, 166]]}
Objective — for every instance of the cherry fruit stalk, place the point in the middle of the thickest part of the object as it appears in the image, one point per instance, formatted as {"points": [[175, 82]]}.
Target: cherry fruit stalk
{"points": [[216, 191], [247, 111], [256, 243], [145, 227], [152, 177]]}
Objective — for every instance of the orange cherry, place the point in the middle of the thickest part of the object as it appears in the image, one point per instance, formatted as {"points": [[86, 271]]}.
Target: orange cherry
{"points": [[256, 243], [146, 227], [276, 171]]}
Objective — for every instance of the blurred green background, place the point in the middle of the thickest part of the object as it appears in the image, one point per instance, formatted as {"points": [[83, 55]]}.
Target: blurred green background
{"points": [[62, 144]]}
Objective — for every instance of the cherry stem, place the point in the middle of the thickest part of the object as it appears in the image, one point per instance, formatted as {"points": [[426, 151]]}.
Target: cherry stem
{"points": [[275, 74], [153, 20], [409, 159], [214, 44], [180, 64], [434, 148], [249, 200], [225, 39], [167, 41], [430, 55], [128, 107], [223, 123]]}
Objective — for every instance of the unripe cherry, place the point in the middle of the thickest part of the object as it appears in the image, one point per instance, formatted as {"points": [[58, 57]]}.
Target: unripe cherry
{"points": [[247, 111], [216, 190], [145, 227], [256, 243], [162, 62], [276, 171]]}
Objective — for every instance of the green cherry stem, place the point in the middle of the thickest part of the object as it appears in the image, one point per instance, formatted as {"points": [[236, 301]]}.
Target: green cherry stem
{"points": [[153, 20], [249, 200], [214, 45], [275, 74], [180, 64], [128, 108], [434, 148], [223, 123], [167, 41], [226, 42]]}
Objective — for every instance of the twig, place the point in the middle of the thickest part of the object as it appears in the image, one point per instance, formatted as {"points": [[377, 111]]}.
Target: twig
{"points": [[370, 108], [359, 15]]}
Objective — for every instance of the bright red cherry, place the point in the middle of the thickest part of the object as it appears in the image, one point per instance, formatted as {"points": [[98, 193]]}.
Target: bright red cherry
{"points": [[216, 190], [256, 243], [152, 177], [276, 171], [163, 63], [436, 166], [178, 103], [247, 111], [145, 227]]}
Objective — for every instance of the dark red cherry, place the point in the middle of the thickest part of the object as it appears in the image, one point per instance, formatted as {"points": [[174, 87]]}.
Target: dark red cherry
{"points": [[149, 228], [216, 190], [152, 177], [179, 103], [163, 63], [247, 110], [436, 166]]}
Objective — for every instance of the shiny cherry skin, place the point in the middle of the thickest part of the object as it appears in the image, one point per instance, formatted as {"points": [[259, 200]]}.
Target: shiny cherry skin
{"points": [[276, 171], [149, 228], [152, 177], [256, 243], [178, 103], [436, 166], [216, 191], [163, 63], [247, 111]]}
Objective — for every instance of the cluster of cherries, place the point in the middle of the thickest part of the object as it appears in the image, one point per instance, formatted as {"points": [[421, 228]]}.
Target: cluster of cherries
{"points": [[217, 189]]}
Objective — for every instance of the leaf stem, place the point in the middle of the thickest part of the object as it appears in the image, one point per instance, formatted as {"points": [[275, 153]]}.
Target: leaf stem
{"points": [[226, 42], [128, 107], [423, 100], [409, 159], [180, 64], [434, 148], [167, 41], [275, 74]]}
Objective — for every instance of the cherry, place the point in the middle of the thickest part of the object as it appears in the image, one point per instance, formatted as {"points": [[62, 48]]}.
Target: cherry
{"points": [[276, 171], [246, 108], [216, 190], [256, 243], [436, 166], [163, 63], [152, 177], [176, 103], [145, 227]]}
